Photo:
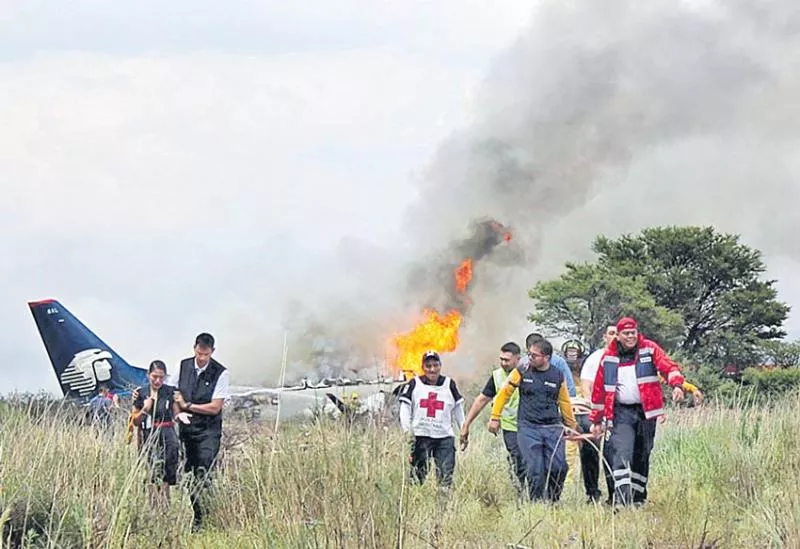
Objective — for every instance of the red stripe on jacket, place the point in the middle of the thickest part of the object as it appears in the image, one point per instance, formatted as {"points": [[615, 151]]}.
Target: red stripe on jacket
{"points": [[650, 391]]}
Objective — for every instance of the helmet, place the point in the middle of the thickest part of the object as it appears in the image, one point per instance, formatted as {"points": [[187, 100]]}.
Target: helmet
{"points": [[573, 350]]}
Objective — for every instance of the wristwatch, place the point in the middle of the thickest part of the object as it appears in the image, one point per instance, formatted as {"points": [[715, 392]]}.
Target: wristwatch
{"points": [[188, 405]]}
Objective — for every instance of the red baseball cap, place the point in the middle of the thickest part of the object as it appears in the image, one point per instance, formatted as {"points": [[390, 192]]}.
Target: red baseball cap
{"points": [[626, 323]]}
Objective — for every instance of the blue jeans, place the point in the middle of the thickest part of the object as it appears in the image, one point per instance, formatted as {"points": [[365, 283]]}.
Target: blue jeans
{"points": [[543, 449]]}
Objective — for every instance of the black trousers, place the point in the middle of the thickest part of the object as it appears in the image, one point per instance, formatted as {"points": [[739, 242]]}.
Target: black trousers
{"points": [[591, 464], [443, 453], [515, 460], [162, 450], [201, 447], [630, 444], [590, 461]]}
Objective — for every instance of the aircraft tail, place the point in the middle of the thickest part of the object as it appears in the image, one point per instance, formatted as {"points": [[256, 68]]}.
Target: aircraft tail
{"points": [[81, 360]]}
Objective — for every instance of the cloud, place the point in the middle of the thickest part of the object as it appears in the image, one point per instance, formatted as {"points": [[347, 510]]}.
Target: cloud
{"points": [[164, 174], [614, 117], [168, 174]]}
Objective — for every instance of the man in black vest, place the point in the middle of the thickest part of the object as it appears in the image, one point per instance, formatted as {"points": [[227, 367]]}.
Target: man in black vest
{"points": [[202, 390]]}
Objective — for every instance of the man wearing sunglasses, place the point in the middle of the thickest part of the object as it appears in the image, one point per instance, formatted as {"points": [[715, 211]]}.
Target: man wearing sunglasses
{"points": [[627, 400]]}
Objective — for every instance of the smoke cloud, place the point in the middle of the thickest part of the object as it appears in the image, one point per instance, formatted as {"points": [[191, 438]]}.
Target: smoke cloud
{"points": [[600, 118]]}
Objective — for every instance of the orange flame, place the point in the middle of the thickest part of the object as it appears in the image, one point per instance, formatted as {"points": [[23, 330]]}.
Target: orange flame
{"points": [[463, 275], [436, 332]]}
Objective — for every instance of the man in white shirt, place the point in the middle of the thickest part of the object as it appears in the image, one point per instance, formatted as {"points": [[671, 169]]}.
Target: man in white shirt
{"points": [[203, 387], [590, 461], [592, 362]]}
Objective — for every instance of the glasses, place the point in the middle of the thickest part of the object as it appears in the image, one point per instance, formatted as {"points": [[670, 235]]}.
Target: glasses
{"points": [[536, 355]]}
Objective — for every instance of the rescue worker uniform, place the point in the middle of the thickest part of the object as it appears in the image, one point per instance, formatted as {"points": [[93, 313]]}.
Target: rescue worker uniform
{"points": [[159, 438], [627, 395], [427, 410], [201, 437], [559, 362], [508, 425], [544, 409]]}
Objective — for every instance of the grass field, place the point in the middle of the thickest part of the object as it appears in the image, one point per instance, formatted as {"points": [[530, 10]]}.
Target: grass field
{"points": [[719, 478]]}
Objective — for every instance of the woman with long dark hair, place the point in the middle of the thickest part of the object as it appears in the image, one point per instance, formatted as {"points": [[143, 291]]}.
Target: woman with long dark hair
{"points": [[155, 411]]}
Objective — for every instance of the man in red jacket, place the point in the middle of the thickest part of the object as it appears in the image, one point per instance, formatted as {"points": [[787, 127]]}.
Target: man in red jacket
{"points": [[626, 400]]}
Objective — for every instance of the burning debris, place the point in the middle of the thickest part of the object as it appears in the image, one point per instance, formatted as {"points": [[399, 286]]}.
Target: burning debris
{"points": [[440, 331], [357, 348], [463, 275], [434, 332]]}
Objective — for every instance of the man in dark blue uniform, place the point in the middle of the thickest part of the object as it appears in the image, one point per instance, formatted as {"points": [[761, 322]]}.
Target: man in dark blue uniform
{"points": [[203, 387]]}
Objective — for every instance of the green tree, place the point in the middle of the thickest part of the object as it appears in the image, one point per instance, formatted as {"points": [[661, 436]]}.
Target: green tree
{"points": [[710, 279], [784, 354], [707, 281], [587, 298]]}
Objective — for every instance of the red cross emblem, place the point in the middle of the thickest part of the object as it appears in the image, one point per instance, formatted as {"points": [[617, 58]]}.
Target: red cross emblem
{"points": [[431, 404]]}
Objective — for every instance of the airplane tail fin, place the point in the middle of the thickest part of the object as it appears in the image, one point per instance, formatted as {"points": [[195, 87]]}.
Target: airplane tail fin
{"points": [[81, 360]]}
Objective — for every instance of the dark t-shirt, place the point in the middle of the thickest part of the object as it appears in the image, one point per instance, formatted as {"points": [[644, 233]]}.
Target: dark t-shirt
{"points": [[489, 390], [163, 411]]}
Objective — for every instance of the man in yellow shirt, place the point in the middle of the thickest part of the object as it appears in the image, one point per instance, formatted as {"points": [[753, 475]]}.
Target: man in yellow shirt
{"points": [[544, 410]]}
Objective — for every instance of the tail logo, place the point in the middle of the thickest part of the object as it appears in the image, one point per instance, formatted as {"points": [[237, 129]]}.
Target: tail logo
{"points": [[86, 369]]}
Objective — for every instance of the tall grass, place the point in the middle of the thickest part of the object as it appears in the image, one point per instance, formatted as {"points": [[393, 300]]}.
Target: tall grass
{"points": [[720, 477]]}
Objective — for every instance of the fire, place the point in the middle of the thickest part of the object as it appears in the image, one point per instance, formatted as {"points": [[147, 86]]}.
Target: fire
{"points": [[500, 229], [440, 332], [463, 274], [436, 332]]}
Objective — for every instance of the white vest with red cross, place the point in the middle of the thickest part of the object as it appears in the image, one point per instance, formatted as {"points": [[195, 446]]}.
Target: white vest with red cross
{"points": [[432, 410]]}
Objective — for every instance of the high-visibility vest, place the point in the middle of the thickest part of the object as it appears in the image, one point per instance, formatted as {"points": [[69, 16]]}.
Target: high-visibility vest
{"points": [[508, 421]]}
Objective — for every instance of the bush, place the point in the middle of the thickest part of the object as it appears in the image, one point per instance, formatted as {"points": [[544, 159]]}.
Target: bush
{"points": [[770, 384]]}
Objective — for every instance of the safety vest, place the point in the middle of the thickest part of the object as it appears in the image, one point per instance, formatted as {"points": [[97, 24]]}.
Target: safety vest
{"points": [[508, 421], [432, 409], [652, 399]]}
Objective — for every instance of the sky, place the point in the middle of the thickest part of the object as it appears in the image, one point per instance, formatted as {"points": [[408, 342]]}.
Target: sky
{"points": [[158, 160], [248, 168]]}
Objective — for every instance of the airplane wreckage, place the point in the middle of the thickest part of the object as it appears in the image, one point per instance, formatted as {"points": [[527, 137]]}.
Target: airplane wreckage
{"points": [[356, 399], [341, 398], [83, 362]]}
